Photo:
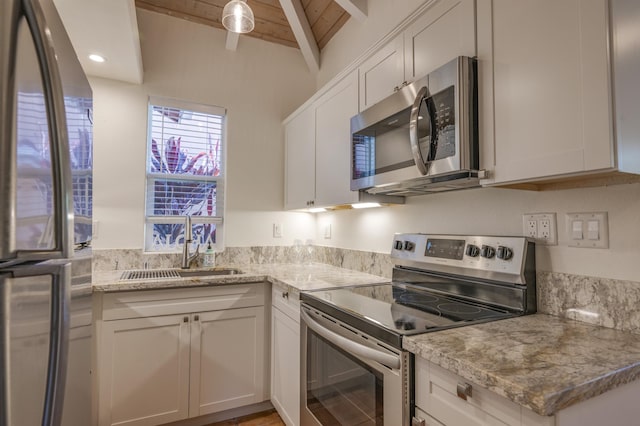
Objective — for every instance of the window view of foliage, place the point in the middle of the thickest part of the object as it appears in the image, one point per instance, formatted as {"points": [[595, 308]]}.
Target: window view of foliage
{"points": [[184, 169]]}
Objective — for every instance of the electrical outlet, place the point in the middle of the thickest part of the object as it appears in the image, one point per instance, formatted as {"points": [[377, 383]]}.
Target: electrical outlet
{"points": [[545, 229], [540, 226], [327, 231]]}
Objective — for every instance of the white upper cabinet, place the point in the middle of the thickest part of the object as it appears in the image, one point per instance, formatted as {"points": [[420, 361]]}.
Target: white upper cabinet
{"points": [[382, 73], [444, 31], [318, 149], [545, 102], [333, 143], [300, 173]]}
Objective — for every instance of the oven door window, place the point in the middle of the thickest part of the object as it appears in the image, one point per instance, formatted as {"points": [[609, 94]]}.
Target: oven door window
{"points": [[340, 388]]}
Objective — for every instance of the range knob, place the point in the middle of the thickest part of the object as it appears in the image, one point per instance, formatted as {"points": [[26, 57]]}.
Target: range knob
{"points": [[408, 245], [504, 253], [488, 252], [472, 250], [398, 245]]}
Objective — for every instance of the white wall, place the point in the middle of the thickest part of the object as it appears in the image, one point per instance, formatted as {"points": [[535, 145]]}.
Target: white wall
{"points": [[494, 211], [479, 211], [259, 84]]}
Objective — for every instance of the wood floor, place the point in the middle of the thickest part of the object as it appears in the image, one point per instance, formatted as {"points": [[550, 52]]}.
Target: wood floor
{"points": [[265, 418]]}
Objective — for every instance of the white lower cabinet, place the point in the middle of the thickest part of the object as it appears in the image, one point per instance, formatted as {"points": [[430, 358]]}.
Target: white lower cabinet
{"points": [[227, 360], [285, 356], [436, 396], [438, 404], [155, 369]]}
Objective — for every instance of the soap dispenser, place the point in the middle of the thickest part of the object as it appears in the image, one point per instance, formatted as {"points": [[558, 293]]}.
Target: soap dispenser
{"points": [[209, 257]]}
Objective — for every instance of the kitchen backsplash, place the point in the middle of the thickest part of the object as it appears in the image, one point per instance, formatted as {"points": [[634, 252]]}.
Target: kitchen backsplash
{"points": [[600, 301]]}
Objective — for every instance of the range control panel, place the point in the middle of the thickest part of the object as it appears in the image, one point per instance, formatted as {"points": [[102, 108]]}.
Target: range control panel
{"points": [[482, 253]]}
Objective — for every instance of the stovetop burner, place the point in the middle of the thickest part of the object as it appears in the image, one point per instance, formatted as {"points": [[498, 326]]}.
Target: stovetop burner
{"points": [[439, 282]]}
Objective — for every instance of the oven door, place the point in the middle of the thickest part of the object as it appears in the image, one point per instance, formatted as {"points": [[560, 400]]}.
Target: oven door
{"points": [[349, 378]]}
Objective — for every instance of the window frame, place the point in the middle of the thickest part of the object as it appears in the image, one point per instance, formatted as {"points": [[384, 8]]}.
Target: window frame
{"points": [[151, 177]]}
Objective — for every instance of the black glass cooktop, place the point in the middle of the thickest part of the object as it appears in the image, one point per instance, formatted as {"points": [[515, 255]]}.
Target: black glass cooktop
{"points": [[392, 310]]}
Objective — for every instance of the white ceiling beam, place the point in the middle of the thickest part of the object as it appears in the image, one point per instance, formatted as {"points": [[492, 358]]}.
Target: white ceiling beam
{"points": [[299, 23], [356, 8], [231, 42]]}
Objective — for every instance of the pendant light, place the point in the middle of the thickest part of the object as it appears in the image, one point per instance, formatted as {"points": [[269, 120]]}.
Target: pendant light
{"points": [[237, 17]]}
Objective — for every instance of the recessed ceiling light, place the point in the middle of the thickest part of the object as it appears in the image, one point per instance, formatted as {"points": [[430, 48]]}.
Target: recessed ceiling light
{"points": [[97, 58]]}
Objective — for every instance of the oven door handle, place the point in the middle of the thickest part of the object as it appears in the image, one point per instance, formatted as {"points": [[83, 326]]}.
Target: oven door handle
{"points": [[342, 342]]}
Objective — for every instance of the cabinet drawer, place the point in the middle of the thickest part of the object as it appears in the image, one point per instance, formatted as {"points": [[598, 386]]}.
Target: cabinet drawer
{"points": [[436, 394], [287, 302], [179, 301]]}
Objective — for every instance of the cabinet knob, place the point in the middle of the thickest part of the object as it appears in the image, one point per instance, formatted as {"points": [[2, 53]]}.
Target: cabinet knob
{"points": [[417, 421], [185, 319], [196, 318], [285, 294], [463, 390]]}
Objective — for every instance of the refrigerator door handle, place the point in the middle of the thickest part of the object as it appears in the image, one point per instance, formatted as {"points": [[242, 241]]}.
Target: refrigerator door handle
{"points": [[58, 347], [54, 98]]}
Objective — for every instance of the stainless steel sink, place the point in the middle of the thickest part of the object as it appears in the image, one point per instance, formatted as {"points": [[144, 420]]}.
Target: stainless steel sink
{"points": [[151, 274], [223, 271]]}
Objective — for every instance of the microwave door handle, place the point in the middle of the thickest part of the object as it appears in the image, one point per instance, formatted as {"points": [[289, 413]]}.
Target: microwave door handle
{"points": [[413, 131], [54, 98], [351, 346]]}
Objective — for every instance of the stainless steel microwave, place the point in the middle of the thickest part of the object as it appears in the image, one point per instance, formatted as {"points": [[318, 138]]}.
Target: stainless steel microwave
{"points": [[421, 139]]}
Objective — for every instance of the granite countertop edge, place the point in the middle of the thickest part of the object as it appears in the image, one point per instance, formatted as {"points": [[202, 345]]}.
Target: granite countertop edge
{"points": [[293, 277], [544, 394]]}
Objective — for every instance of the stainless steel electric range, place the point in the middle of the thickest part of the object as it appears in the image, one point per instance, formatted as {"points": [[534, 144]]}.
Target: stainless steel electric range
{"points": [[353, 368]]}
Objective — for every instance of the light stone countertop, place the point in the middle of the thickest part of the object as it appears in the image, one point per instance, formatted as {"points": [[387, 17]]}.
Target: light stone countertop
{"points": [[542, 362], [293, 277]]}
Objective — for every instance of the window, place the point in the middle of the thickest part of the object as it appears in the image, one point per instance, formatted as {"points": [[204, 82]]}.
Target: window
{"points": [[185, 174]]}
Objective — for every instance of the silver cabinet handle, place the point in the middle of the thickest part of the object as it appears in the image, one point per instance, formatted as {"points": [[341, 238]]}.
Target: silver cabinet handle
{"points": [[185, 319], [196, 318], [54, 98], [285, 294], [392, 361], [418, 159], [464, 390]]}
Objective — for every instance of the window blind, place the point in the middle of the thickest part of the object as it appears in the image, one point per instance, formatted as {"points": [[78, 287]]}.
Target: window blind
{"points": [[185, 174]]}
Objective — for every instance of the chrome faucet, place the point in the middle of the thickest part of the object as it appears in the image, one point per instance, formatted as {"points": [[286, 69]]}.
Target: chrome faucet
{"points": [[186, 259]]}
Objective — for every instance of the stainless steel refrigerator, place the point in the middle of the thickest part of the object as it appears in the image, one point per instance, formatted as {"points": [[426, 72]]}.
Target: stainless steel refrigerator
{"points": [[45, 221]]}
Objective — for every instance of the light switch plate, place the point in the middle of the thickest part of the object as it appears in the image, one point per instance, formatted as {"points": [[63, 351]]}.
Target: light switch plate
{"points": [[591, 238], [277, 230]]}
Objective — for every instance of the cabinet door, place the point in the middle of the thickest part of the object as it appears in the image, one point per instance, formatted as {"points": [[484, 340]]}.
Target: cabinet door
{"points": [[300, 174], [285, 367], [228, 364], [381, 73], [143, 371], [333, 143], [551, 87], [446, 30]]}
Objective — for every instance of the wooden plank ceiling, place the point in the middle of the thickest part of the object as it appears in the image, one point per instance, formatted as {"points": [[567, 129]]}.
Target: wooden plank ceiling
{"points": [[325, 17]]}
